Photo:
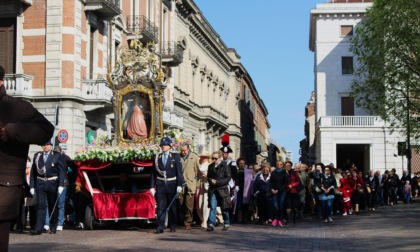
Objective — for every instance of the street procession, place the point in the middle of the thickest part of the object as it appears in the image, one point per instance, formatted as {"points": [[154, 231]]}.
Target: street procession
{"points": [[134, 126]]}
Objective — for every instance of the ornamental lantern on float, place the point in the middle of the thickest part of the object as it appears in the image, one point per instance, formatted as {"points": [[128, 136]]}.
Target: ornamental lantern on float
{"points": [[225, 144]]}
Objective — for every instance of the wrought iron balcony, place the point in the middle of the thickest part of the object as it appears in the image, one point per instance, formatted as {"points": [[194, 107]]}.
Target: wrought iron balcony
{"points": [[104, 8], [172, 53], [143, 27]]}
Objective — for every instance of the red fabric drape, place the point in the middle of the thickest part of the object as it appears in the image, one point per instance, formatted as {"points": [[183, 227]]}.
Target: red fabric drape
{"points": [[94, 165], [117, 205], [120, 205]]}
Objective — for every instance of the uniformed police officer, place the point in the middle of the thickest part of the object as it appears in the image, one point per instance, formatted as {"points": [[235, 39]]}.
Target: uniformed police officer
{"points": [[47, 181], [168, 179]]}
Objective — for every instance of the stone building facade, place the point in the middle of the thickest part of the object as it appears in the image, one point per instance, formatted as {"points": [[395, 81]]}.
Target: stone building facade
{"points": [[344, 133], [58, 53]]}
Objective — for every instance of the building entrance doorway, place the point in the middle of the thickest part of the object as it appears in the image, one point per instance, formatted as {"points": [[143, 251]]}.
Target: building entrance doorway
{"points": [[359, 154]]}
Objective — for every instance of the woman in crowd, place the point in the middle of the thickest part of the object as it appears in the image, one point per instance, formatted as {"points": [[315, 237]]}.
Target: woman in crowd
{"points": [[263, 195], [278, 182], [357, 185], [371, 185], [346, 193], [338, 195], [391, 187], [292, 197], [243, 191], [326, 184], [315, 176], [202, 196]]}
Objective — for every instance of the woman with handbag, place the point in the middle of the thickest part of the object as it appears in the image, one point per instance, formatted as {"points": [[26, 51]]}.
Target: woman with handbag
{"points": [[327, 184]]}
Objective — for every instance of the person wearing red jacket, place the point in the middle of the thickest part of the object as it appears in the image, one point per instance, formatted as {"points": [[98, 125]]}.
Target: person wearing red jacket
{"points": [[346, 191], [292, 197]]}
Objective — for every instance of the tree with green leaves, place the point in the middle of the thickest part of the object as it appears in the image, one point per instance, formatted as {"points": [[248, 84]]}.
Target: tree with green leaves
{"points": [[387, 46]]}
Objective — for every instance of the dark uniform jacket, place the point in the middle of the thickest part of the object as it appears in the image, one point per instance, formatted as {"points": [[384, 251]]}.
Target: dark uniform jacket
{"points": [[173, 171], [54, 167], [24, 126], [222, 174]]}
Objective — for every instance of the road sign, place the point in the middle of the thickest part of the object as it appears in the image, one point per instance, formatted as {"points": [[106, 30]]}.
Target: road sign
{"points": [[63, 136]]}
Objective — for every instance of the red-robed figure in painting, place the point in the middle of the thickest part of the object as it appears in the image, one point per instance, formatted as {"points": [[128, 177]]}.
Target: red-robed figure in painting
{"points": [[136, 127]]}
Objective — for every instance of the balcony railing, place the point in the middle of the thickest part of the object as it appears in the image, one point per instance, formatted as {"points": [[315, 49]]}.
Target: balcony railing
{"points": [[172, 52], [351, 121], [95, 88], [173, 120], [147, 30], [18, 84], [105, 8]]}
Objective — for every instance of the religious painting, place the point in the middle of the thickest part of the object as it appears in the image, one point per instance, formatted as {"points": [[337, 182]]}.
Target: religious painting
{"points": [[136, 115]]}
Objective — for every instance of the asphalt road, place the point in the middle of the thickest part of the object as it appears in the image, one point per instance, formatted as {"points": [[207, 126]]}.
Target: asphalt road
{"points": [[391, 228]]}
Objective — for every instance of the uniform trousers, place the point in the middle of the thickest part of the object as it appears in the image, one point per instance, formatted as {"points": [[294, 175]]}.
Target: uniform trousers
{"points": [[47, 196], [163, 200]]}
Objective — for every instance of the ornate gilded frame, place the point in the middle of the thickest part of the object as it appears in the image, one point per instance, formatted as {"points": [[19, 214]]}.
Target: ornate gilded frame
{"points": [[137, 71]]}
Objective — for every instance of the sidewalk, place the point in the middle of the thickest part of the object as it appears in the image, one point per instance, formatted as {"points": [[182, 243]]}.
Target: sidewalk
{"points": [[391, 228]]}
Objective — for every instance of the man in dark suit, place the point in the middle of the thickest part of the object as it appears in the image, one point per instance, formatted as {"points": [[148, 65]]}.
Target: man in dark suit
{"points": [[20, 125], [168, 179], [47, 181]]}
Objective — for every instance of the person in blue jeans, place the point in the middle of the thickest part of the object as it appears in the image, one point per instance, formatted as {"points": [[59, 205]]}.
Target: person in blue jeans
{"points": [[326, 184], [218, 176], [62, 198], [278, 181]]}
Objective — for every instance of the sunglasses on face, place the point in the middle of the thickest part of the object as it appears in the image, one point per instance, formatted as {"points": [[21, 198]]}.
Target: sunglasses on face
{"points": [[213, 158]]}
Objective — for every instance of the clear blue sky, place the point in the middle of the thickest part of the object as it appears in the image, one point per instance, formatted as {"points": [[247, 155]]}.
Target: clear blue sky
{"points": [[272, 38]]}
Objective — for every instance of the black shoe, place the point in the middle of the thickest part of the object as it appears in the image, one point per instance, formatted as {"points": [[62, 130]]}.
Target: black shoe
{"points": [[225, 228], [210, 228], [53, 231], [173, 230], [158, 231], [36, 232]]}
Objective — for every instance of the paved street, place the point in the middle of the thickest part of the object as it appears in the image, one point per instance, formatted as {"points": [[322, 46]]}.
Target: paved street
{"points": [[393, 228]]}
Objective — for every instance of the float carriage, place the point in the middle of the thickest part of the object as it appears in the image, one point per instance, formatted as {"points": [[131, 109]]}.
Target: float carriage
{"points": [[137, 83]]}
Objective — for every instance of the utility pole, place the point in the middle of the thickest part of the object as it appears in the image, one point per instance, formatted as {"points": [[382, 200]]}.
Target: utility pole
{"points": [[408, 151]]}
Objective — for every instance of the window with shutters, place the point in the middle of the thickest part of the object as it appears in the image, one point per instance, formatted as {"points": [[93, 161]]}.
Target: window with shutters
{"points": [[346, 30], [7, 44]]}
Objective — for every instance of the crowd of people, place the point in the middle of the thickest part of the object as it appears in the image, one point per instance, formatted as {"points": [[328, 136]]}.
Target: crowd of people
{"points": [[213, 189]]}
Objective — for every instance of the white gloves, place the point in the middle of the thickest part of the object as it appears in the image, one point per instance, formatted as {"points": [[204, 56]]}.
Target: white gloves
{"points": [[236, 188], [32, 191], [152, 191], [178, 189], [60, 189]]}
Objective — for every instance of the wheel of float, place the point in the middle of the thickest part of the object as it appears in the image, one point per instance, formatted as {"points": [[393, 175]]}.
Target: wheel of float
{"points": [[89, 218]]}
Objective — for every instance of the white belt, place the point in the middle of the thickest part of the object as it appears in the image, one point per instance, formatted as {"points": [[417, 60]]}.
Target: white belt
{"points": [[49, 178], [167, 179]]}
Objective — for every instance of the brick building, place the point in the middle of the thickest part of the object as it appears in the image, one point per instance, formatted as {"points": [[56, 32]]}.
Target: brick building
{"points": [[58, 53]]}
